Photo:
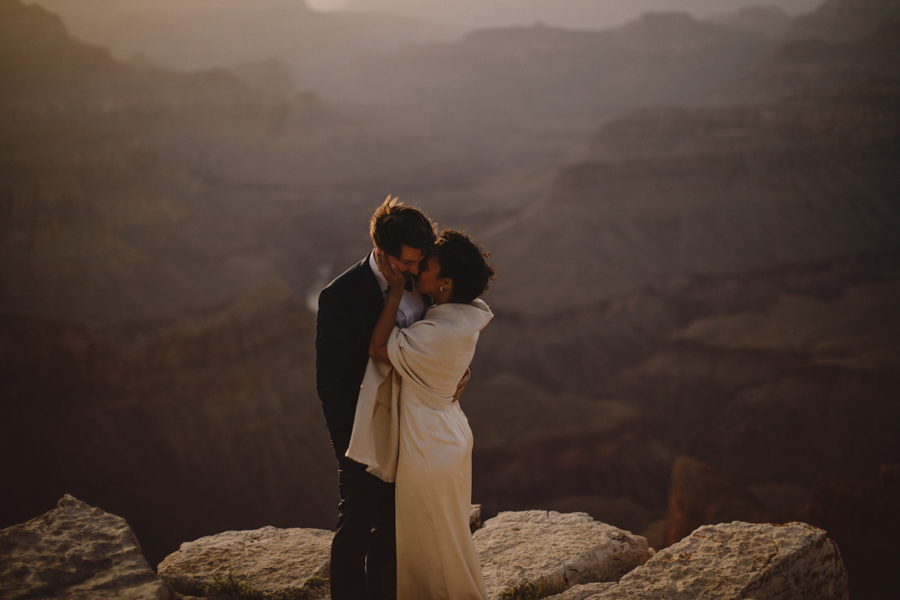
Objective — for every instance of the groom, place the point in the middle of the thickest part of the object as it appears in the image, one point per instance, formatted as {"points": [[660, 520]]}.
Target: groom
{"points": [[364, 553]]}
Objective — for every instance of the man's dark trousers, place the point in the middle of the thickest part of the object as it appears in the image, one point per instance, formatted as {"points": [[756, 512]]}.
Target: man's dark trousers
{"points": [[364, 550], [365, 540]]}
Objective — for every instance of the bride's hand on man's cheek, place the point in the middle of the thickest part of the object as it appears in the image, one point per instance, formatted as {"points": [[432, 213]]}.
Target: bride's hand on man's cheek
{"points": [[393, 275]]}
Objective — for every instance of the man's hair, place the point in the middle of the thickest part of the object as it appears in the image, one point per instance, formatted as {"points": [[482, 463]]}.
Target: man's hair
{"points": [[394, 225], [465, 262]]}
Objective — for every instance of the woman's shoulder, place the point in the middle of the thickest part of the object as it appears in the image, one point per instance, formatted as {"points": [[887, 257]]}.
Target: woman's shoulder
{"points": [[471, 316]]}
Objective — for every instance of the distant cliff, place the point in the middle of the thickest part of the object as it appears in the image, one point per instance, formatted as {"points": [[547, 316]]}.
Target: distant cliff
{"points": [[844, 20]]}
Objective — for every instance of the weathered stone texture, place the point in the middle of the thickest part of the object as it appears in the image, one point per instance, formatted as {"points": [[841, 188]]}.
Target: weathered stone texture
{"points": [[475, 518], [270, 559], [528, 546], [582, 591], [740, 561], [73, 552]]}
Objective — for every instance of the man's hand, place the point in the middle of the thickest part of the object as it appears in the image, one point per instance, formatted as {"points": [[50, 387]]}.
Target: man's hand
{"points": [[461, 385]]}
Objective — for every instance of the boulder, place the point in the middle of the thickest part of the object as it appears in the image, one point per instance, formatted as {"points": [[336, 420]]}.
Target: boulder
{"points": [[545, 546], [733, 561], [270, 559], [475, 518], [76, 551]]}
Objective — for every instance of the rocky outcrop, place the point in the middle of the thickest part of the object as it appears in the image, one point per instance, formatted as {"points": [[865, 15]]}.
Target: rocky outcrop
{"points": [[475, 518], [540, 546], [740, 560], [269, 559], [76, 551]]}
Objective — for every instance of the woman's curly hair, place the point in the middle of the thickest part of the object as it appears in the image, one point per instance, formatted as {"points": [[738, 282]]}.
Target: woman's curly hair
{"points": [[465, 262]]}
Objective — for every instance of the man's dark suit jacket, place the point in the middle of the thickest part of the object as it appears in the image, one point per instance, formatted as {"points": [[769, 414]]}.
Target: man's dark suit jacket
{"points": [[348, 310]]}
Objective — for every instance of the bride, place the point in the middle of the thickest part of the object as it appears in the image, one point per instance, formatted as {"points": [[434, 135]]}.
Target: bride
{"points": [[408, 428]]}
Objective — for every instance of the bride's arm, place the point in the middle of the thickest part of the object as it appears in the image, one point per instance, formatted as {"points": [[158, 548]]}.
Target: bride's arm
{"points": [[387, 319]]}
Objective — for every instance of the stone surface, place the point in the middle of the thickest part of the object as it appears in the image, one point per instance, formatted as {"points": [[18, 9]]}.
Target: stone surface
{"points": [[76, 551], [583, 591], [270, 559], [737, 561], [528, 546], [475, 518]]}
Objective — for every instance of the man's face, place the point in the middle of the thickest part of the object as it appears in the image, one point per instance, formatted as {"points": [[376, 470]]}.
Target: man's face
{"points": [[408, 261]]}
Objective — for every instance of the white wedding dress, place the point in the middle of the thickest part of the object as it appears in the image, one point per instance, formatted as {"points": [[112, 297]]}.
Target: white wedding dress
{"points": [[409, 429]]}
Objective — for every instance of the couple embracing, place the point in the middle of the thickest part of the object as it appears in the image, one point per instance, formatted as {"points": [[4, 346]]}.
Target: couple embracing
{"points": [[395, 335]]}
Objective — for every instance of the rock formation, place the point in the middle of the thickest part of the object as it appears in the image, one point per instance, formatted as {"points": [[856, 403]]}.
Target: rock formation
{"points": [[740, 560], [534, 546], [475, 518], [838, 45], [270, 559], [843, 20], [76, 551]]}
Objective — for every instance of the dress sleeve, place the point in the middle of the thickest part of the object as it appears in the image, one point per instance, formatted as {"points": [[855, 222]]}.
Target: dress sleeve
{"points": [[428, 357]]}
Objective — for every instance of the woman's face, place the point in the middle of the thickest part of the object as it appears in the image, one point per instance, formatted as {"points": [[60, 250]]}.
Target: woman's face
{"points": [[427, 281]]}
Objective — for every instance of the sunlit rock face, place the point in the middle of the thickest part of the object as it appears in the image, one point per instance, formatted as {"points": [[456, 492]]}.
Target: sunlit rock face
{"points": [[740, 560], [76, 551], [532, 546], [270, 559], [79, 551]]}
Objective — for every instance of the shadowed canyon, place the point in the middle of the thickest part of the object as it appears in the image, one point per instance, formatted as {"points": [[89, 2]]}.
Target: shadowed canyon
{"points": [[694, 220]]}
